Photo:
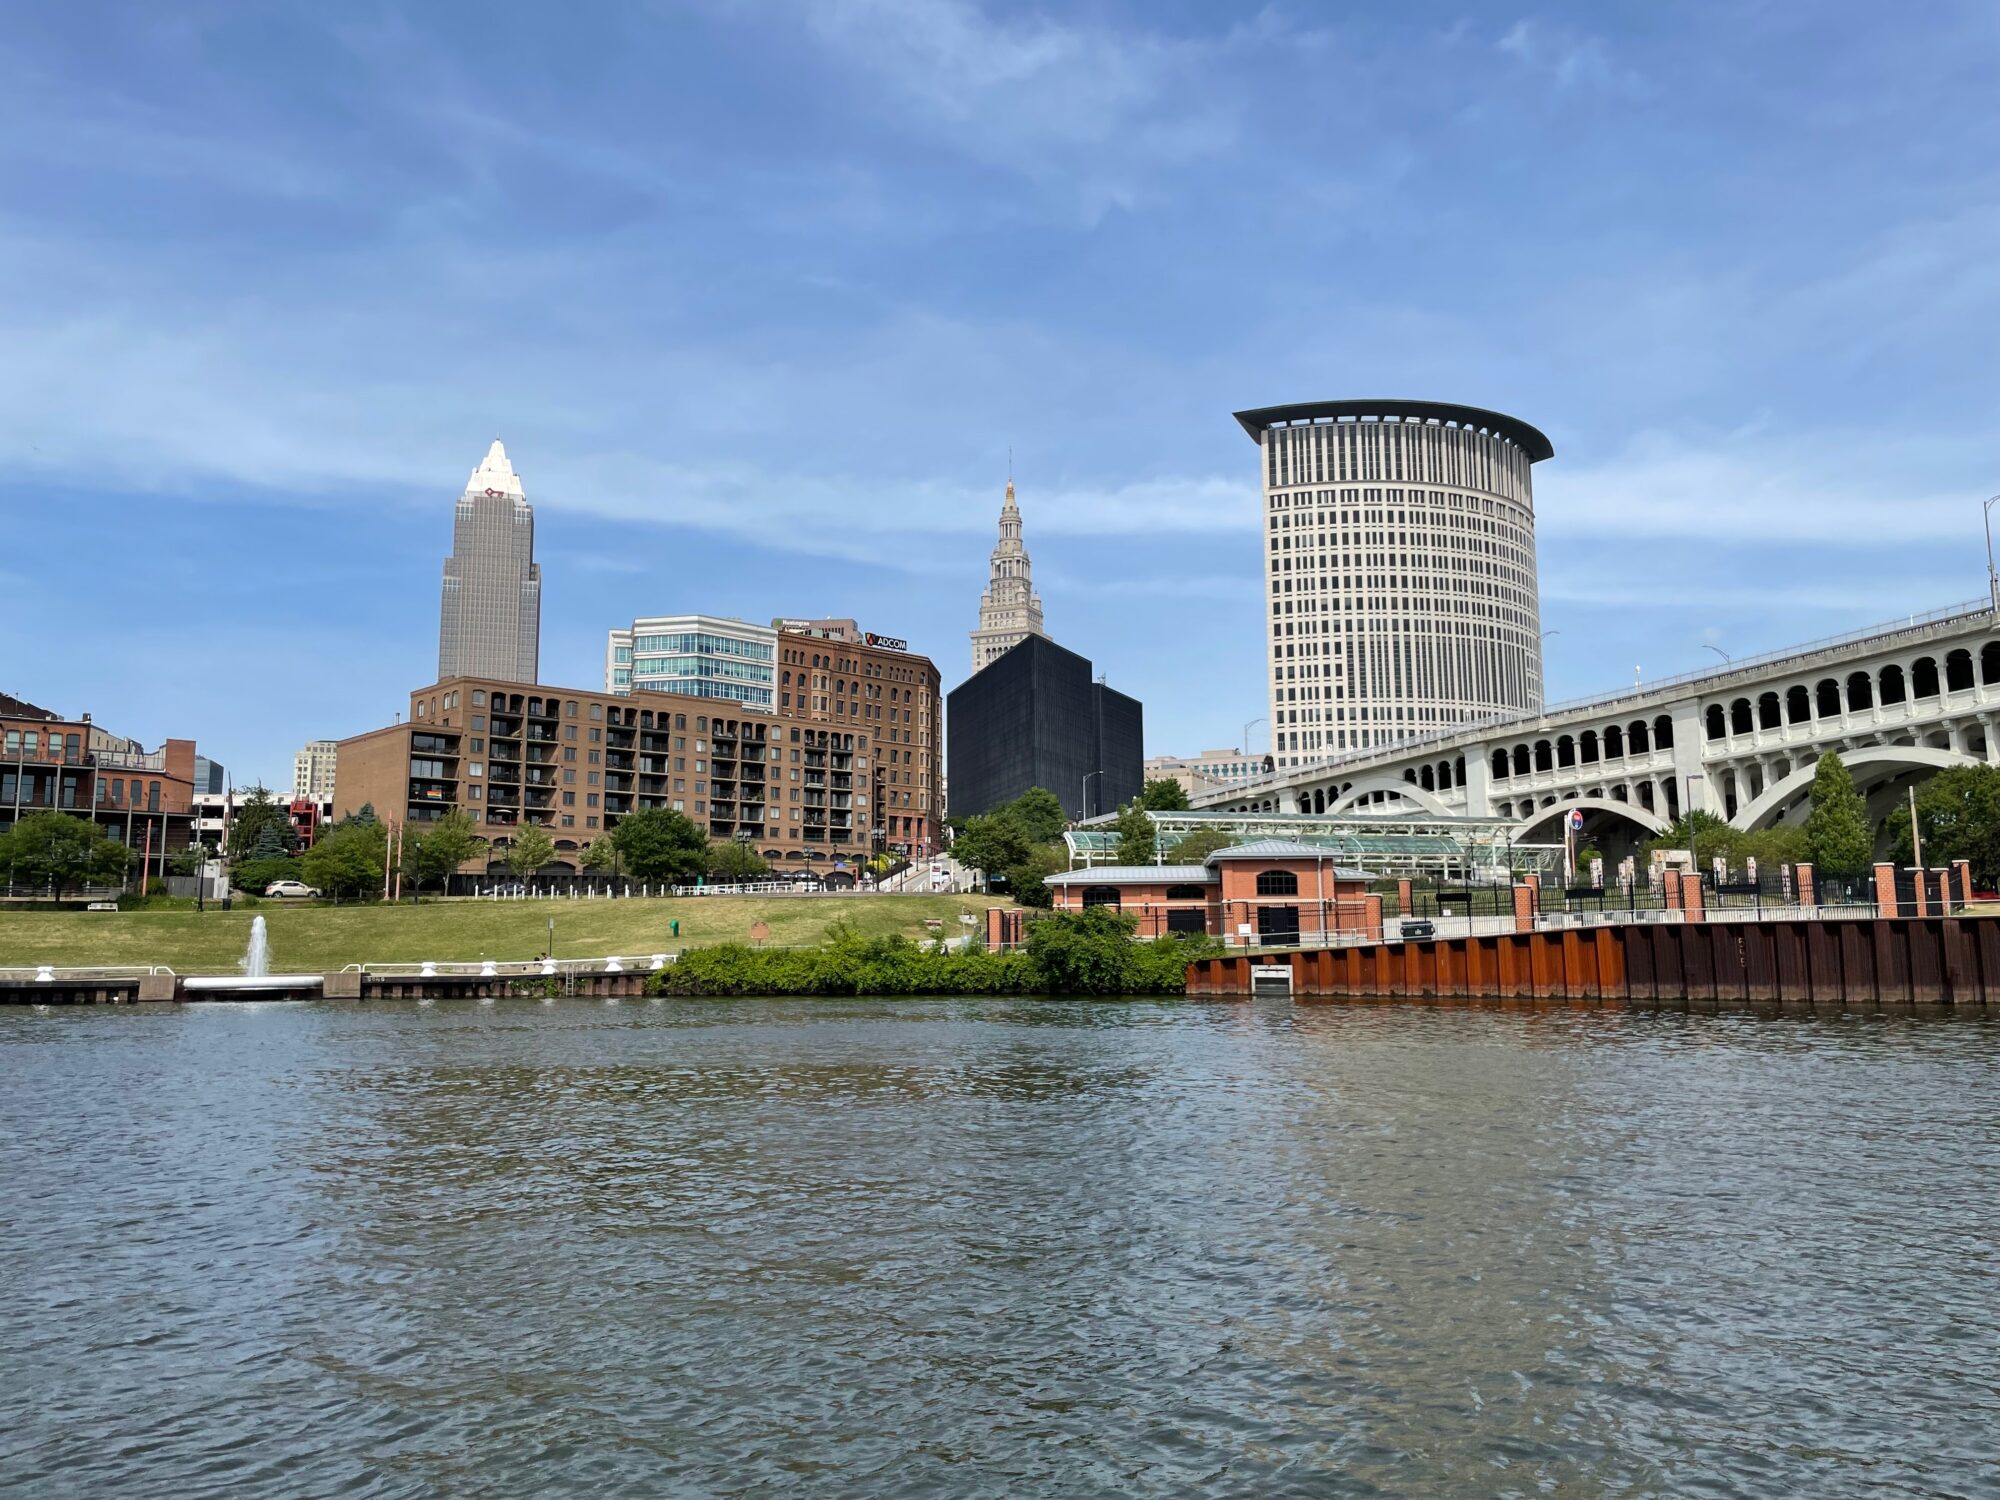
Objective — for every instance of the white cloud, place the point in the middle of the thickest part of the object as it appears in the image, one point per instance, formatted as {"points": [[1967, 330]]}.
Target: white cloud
{"points": [[1567, 58]]}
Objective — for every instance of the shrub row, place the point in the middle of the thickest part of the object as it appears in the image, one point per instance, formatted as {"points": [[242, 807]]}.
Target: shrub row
{"points": [[1086, 953]]}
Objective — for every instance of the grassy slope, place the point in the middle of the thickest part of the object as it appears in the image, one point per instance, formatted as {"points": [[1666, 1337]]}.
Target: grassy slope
{"points": [[319, 938]]}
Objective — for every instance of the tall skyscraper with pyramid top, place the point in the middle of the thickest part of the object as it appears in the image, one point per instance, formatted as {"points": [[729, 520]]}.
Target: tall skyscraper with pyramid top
{"points": [[490, 620], [1010, 610]]}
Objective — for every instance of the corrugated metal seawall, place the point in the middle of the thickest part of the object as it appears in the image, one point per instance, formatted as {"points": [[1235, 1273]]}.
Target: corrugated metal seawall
{"points": [[1888, 961]]}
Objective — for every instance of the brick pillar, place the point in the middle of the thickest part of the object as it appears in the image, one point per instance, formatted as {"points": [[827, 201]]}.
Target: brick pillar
{"points": [[1524, 906], [1691, 898], [1961, 871], [1403, 897], [1534, 880], [1885, 890], [1673, 889], [1919, 880], [1802, 875], [1371, 917]]}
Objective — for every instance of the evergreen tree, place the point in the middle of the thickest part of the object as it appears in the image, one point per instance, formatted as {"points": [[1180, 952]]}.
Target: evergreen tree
{"points": [[1837, 833], [259, 828]]}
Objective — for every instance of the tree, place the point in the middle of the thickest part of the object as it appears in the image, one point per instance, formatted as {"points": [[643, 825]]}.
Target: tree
{"points": [[1038, 813], [990, 843], [660, 844], [1958, 814], [1837, 832], [1197, 846], [364, 814], [734, 862], [601, 858], [434, 855], [1083, 953], [1137, 838], [346, 860], [1163, 794], [190, 860], [57, 850], [1026, 876], [259, 828], [532, 849]]}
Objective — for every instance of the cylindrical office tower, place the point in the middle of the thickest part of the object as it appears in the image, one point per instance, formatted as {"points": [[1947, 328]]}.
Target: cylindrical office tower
{"points": [[1400, 596]]}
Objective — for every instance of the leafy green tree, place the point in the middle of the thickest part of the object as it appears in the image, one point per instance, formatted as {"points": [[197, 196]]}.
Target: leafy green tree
{"points": [[256, 875], [1958, 814], [532, 848], [190, 860], [1038, 813], [1197, 846], [1137, 838], [735, 861], [660, 844], [1025, 877], [990, 843], [601, 858], [346, 860], [1163, 794], [1837, 831], [363, 814], [259, 828], [57, 850], [432, 856]]}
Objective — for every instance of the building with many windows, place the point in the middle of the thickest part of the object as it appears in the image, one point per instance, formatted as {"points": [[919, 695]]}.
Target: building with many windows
{"points": [[490, 614], [143, 798], [1010, 610], [1400, 592], [1207, 772], [831, 672], [797, 789], [697, 656], [1036, 717], [312, 770]]}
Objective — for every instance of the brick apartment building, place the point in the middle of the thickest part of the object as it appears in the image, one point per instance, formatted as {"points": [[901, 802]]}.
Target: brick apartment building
{"points": [[830, 671], [143, 798], [799, 786]]}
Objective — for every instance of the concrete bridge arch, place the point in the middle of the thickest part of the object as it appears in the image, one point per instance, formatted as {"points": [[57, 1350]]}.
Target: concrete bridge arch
{"points": [[1764, 809], [1651, 825], [1383, 781]]}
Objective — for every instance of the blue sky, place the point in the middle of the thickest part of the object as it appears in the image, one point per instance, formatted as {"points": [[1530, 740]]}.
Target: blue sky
{"points": [[760, 295]]}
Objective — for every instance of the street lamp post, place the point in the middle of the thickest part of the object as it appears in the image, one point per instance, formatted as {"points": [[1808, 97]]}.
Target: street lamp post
{"points": [[1718, 651], [1992, 578], [1086, 790]]}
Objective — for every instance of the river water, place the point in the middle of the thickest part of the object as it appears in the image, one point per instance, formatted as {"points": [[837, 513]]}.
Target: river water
{"points": [[1002, 1248]]}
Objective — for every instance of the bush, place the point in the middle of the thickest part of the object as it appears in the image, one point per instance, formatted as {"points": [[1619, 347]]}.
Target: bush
{"points": [[253, 875], [1087, 953]]}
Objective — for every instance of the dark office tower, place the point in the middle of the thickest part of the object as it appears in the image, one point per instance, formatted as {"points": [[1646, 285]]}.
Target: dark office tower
{"points": [[490, 622], [1034, 716]]}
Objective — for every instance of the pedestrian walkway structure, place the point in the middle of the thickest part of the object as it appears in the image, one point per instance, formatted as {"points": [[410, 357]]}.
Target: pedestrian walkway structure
{"points": [[1462, 849]]}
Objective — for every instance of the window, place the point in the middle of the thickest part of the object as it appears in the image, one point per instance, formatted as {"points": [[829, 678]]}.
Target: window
{"points": [[1277, 883], [1187, 893], [1101, 895]]}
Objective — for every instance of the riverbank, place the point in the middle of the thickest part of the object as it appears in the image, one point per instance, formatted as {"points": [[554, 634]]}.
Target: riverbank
{"points": [[320, 939]]}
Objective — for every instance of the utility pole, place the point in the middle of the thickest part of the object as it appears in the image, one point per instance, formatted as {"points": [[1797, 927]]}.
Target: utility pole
{"points": [[1916, 838]]}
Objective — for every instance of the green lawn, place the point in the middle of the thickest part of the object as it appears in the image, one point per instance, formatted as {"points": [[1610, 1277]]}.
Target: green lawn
{"points": [[315, 939]]}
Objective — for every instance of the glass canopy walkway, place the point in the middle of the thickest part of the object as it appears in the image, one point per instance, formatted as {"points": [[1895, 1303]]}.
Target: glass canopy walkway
{"points": [[1473, 850]]}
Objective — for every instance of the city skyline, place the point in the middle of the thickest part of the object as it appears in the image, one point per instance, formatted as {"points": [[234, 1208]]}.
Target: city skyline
{"points": [[1744, 303]]}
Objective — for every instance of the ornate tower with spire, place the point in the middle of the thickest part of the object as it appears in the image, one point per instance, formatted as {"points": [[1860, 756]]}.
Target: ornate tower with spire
{"points": [[490, 622], [1010, 610]]}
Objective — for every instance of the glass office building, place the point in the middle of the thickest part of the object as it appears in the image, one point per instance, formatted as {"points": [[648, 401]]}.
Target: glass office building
{"points": [[697, 656]]}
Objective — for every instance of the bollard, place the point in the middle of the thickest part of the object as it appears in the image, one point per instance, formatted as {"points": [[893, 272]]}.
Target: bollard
{"points": [[659, 960], [612, 966], [548, 966], [45, 974], [487, 969], [428, 970]]}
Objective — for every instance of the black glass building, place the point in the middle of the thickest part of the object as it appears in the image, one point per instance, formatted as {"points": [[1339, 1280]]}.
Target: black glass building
{"points": [[1036, 717]]}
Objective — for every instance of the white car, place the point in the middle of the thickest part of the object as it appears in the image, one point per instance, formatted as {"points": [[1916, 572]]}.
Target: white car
{"points": [[290, 888]]}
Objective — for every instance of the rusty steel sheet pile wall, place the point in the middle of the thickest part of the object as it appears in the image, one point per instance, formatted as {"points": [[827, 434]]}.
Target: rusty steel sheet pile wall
{"points": [[1880, 961]]}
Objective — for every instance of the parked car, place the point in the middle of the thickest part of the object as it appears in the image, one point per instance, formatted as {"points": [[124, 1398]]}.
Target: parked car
{"points": [[290, 888]]}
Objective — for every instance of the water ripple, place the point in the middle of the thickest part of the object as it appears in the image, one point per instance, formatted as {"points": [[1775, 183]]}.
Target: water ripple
{"points": [[918, 1249]]}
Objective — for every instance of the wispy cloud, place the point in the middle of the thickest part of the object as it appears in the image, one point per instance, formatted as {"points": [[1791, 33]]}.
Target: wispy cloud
{"points": [[1569, 59]]}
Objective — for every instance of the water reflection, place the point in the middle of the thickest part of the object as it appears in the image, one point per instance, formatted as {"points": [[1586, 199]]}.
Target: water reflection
{"points": [[1011, 1247]]}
